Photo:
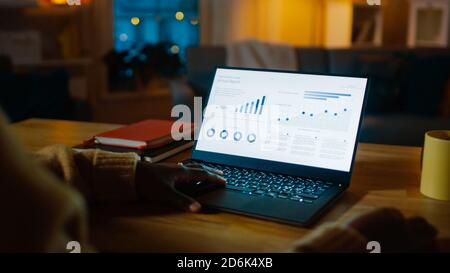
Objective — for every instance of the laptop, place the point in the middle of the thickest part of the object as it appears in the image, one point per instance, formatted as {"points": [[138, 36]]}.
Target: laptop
{"points": [[285, 141]]}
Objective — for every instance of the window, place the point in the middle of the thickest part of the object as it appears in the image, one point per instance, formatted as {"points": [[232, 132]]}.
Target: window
{"points": [[138, 23]]}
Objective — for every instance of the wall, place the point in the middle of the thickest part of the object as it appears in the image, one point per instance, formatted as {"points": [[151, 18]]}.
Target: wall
{"points": [[297, 22], [325, 23], [338, 23]]}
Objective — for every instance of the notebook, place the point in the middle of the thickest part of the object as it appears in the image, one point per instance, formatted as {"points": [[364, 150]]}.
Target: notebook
{"points": [[144, 135]]}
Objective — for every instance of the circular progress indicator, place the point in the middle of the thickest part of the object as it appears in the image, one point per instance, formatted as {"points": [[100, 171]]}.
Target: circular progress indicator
{"points": [[211, 132], [237, 136], [224, 134], [251, 138]]}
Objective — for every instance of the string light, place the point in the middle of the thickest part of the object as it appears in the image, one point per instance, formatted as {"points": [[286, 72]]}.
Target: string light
{"points": [[135, 21], [175, 49], [194, 22], [179, 16], [123, 37]]}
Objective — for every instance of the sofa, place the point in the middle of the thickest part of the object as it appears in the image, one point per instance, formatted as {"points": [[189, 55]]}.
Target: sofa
{"points": [[407, 92]]}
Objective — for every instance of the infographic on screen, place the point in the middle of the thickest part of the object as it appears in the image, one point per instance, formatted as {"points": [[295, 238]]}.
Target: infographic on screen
{"points": [[303, 119]]}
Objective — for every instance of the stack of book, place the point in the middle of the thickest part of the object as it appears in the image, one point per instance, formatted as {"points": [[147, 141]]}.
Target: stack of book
{"points": [[151, 139]]}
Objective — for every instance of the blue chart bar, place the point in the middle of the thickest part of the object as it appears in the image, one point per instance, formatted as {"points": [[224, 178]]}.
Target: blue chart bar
{"points": [[262, 104], [316, 95], [315, 98], [254, 107]]}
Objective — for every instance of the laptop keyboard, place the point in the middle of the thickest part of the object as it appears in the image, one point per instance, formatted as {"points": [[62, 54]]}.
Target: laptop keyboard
{"points": [[273, 185]]}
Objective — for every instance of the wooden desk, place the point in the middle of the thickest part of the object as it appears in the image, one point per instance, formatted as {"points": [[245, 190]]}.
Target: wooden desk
{"points": [[383, 176]]}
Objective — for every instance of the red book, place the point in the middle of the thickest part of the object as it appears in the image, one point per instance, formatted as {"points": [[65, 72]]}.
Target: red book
{"points": [[147, 134]]}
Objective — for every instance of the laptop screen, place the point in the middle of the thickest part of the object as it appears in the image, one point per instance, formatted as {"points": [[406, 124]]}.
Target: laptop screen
{"points": [[302, 119]]}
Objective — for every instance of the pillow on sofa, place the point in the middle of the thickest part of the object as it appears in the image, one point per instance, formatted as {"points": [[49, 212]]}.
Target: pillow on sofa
{"points": [[385, 73]]}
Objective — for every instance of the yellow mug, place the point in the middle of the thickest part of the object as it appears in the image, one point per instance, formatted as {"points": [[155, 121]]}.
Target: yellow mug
{"points": [[435, 181]]}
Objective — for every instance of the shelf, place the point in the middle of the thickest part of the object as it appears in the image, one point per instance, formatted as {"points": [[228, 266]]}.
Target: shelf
{"points": [[57, 11], [156, 88], [14, 4]]}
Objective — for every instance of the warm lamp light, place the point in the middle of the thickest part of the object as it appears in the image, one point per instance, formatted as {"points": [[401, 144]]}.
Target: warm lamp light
{"points": [[69, 3], [59, 2]]}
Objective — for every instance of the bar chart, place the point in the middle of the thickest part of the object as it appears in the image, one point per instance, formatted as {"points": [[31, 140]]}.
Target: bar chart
{"points": [[253, 107], [324, 96]]}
